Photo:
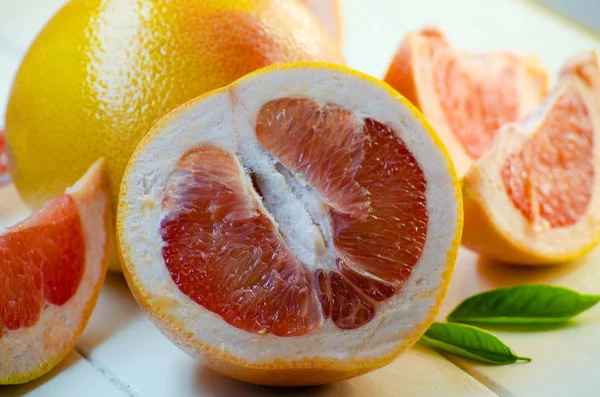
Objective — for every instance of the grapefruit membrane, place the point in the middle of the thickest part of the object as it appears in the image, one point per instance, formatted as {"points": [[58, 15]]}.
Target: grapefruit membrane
{"points": [[533, 197], [52, 266], [297, 227], [466, 96]]}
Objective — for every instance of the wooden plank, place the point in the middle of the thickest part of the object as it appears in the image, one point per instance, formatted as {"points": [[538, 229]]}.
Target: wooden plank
{"points": [[126, 345], [74, 377]]}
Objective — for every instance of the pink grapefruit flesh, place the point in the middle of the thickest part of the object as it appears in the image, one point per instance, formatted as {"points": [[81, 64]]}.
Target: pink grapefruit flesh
{"points": [[225, 252]]}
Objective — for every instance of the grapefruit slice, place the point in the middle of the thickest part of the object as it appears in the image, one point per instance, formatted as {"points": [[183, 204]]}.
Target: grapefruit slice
{"points": [[297, 227], [329, 12], [465, 96], [52, 266], [3, 161], [533, 197]]}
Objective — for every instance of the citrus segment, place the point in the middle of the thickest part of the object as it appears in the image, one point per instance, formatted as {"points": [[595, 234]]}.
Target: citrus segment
{"points": [[347, 308], [477, 93], [284, 229], [52, 266], [476, 101], [387, 242], [550, 180], [325, 144], [466, 96], [42, 260], [224, 252], [533, 197]]}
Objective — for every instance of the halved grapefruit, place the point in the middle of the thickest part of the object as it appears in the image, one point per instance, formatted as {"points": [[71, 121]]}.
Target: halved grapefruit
{"points": [[465, 96], [533, 198], [51, 269], [3, 162], [297, 227]]}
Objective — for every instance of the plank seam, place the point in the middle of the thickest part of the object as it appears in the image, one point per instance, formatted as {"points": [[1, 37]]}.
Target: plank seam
{"points": [[122, 384]]}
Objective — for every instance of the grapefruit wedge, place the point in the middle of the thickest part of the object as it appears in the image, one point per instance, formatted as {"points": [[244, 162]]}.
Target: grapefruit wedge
{"points": [[533, 197], [52, 266], [297, 227], [466, 96]]}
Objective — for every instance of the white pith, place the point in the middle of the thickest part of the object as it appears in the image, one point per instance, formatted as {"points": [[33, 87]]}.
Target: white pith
{"points": [[308, 231], [227, 118], [485, 181], [26, 349], [530, 89]]}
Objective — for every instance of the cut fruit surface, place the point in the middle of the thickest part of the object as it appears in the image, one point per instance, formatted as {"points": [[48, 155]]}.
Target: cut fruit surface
{"points": [[286, 230], [52, 266], [533, 198], [466, 96]]}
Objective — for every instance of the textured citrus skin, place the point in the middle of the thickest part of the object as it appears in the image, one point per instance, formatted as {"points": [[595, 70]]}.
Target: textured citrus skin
{"points": [[100, 181], [300, 372], [102, 72]]}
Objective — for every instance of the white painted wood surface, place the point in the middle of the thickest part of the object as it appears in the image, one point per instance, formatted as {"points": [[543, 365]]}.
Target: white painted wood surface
{"points": [[121, 353]]}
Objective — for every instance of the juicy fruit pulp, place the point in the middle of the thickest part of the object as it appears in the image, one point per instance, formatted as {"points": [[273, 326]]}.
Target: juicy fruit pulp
{"points": [[225, 252], [477, 95], [42, 261], [550, 180]]}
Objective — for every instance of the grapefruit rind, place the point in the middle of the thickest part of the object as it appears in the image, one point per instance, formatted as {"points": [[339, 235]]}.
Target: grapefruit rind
{"points": [[494, 227], [28, 353], [226, 117]]}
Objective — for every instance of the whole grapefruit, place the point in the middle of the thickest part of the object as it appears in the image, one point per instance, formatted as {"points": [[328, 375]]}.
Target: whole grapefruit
{"points": [[102, 72]]}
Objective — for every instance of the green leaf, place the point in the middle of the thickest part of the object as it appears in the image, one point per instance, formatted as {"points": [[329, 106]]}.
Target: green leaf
{"points": [[470, 342], [523, 305]]}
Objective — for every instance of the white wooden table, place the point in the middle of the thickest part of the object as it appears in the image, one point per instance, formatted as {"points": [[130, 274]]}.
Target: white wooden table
{"points": [[122, 354]]}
